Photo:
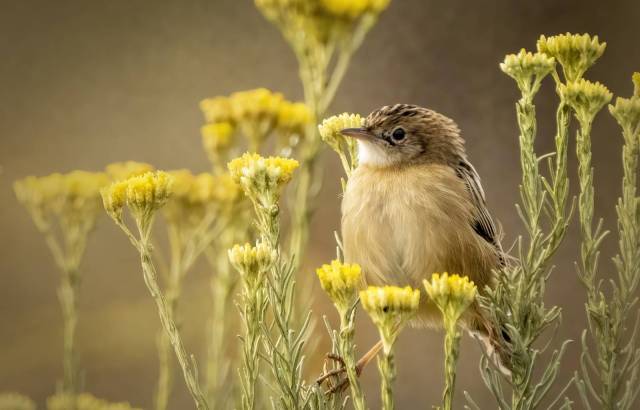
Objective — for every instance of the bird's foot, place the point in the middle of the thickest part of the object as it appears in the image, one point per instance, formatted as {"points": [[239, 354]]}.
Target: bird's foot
{"points": [[336, 379]]}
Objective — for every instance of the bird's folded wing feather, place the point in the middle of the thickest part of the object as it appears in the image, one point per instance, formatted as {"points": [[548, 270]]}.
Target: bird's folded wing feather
{"points": [[483, 223]]}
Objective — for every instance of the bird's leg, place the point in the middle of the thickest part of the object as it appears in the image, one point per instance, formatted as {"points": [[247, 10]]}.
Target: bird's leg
{"points": [[360, 365]]}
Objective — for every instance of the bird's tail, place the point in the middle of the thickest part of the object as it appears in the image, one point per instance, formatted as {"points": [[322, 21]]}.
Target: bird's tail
{"points": [[495, 342]]}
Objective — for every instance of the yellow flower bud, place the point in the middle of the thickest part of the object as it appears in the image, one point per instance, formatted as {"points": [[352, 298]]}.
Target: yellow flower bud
{"points": [[341, 282], [216, 109], [390, 307], [626, 111], [114, 198], [216, 137], [586, 98], [575, 53], [452, 294], [261, 177], [252, 262], [293, 117], [331, 127], [527, 69], [148, 192]]}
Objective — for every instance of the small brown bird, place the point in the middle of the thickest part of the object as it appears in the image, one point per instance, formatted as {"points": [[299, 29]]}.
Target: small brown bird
{"points": [[415, 206]]}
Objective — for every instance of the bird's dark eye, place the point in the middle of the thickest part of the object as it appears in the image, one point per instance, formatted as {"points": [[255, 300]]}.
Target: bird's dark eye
{"points": [[398, 134]]}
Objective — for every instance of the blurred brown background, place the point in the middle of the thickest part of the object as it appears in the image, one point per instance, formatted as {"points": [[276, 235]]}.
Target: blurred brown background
{"points": [[85, 83]]}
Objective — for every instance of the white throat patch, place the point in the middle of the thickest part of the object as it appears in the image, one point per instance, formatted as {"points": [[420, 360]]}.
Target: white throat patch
{"points": [[371, 154]]}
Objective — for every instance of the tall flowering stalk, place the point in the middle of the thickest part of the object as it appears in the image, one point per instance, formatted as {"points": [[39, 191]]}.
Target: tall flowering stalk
{"points": [[390, 308], [319, 32], [262, 180], [340, 282], [452, 295], [144, 195], [516, 304], [64, 209], [252, 263], [244, 119], [609, 373]]}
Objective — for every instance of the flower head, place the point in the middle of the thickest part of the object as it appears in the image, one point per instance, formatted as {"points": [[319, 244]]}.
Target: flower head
{"points": [[143, 194], [15, 401], [586, 98], [293, 117], [352, 9], [114, 198], [261, 178], [73, 197], [626, 111], [331, 127], [216, 138], [575, 53], [390, 307], [118, 171], [252, 262], [340, 281], [216, 109], [527, 69], [149, 191], [452, 294], [321, 20]]}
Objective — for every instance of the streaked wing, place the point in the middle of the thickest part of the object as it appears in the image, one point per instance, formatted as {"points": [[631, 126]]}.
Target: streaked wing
{"points": [[483, 223]]}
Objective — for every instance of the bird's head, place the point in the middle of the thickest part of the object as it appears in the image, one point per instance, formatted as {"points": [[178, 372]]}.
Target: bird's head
{"points": [[407, 134]]}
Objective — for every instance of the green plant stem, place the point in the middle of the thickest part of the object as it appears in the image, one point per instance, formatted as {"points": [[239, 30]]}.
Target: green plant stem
{"points": [[451, 352], [169, 325], [68, 291], [283, 343], [68, 295], [346, 349], [387, 368], [222, 286], [253, 314]]}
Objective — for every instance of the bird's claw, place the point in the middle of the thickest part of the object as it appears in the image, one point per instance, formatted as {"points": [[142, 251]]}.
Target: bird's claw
{"points": [[342, 382]]}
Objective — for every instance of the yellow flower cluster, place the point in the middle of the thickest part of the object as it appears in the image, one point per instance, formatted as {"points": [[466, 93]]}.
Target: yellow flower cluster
{"points": [[452, 294], [143, 194], [84, 401], [626, 111], [127, 169], [293, 117], [340, 281], [75, 195], [352, 9], [193, 194], [575, 53], [252, 261], [331, 127], [261, 177], [255, 112], [320, 12], [390, 307], [527, 69], [390, 300], [586, 98], [15, 401], [216, 138]]}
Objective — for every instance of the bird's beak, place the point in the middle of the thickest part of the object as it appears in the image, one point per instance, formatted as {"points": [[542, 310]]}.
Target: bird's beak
{"points": [[358, 133]]}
